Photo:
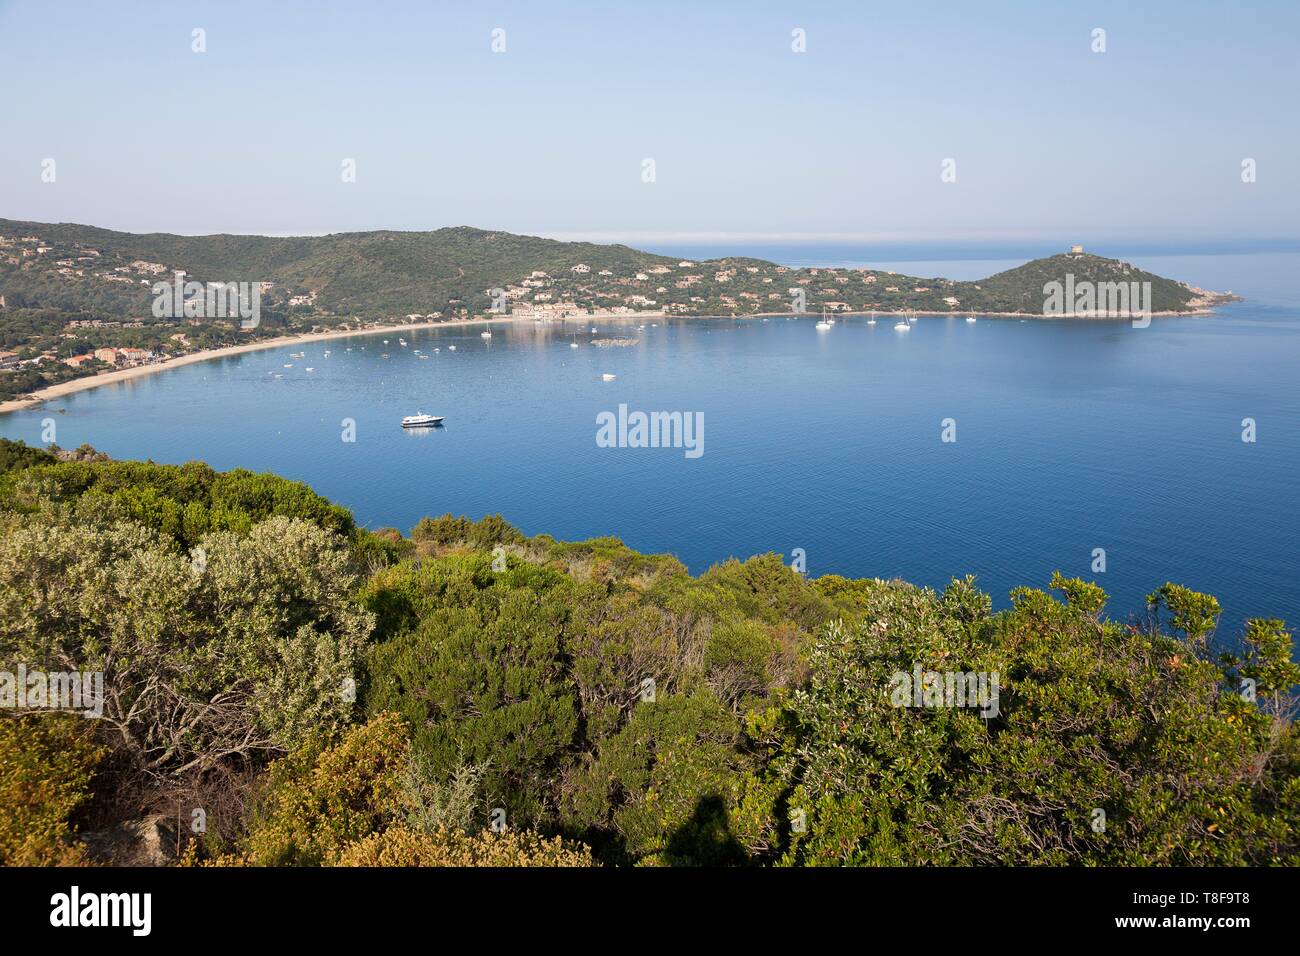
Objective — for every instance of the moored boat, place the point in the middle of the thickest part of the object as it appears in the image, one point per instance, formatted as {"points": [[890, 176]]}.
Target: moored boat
{"points": [[421, 420]]}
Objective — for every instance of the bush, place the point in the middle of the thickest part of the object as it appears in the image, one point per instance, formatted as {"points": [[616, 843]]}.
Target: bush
{"points": [[320, 799], [512, 848], [47, 763], [1109, 746], [240, 650]]}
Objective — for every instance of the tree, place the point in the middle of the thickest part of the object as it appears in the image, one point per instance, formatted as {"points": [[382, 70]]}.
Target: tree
{"points": [[242, 649]]}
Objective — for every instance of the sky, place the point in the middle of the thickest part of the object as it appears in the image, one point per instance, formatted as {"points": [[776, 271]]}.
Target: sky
{"points": [[749, 139]]}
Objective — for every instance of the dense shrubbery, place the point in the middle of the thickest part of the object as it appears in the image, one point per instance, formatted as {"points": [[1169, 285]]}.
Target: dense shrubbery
{"points": [[382, 700], [46, 766]]}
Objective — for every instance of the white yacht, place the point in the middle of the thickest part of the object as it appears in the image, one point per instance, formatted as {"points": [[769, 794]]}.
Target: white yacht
{"points": [[608, 376], [485, 335], [872, 320], [902, 326], [823, 325], [420, 420], [970, 320]]}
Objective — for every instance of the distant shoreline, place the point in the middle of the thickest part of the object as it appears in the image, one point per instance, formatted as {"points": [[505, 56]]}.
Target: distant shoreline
{"points": [[140, 371]]}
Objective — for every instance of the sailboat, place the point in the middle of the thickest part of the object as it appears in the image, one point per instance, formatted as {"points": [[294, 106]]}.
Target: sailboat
{"points": [[872, 320], [904, 325], [970, 320], [823, 325]]}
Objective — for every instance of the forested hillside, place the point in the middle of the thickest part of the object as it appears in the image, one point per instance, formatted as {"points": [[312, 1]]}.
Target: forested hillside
{"points": [[73, 298]]}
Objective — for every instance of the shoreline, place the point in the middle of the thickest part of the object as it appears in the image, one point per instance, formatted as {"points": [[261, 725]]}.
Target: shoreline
{"points": [[140, 371], [51, 392]]}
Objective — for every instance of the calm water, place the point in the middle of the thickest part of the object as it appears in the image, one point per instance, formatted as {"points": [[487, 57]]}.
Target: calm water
{"points": [[1071, 436]]}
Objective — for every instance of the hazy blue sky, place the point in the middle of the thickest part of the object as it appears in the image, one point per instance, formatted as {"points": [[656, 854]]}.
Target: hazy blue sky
{"points": [[748, 137]]}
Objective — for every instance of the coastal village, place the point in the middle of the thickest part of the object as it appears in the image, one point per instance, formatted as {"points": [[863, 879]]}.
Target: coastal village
{"points": [[71, 308]]}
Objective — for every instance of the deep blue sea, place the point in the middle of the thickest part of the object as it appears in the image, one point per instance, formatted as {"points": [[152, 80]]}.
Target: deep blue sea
{"points": [[1071, 435]]}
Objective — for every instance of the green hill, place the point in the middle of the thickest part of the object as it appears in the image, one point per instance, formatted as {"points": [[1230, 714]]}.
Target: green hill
{"points": [[388, 274], [54, 275]]}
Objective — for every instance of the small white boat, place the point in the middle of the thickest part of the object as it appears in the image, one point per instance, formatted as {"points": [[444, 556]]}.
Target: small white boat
{"points": [[290, 365], [402, 342], [310, 369], [573, 345], [970, 320], [327, 353], [420, 420], [451, 348], [822, 326], [485, 335], [902, 327], [608, 376], [593, 331]]}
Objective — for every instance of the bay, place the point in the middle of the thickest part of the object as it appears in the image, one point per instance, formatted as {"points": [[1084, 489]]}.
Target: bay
{"points": [[1071, 436]]}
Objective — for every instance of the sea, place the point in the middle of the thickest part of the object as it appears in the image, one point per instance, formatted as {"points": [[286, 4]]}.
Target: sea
{"points": [[1003, 448]]}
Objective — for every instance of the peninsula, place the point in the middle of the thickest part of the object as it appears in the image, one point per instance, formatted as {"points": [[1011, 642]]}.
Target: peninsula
{"points": [[78, 304]]}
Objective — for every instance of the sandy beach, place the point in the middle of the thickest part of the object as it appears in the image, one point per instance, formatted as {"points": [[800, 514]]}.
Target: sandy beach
{"points": [[139, 371]]}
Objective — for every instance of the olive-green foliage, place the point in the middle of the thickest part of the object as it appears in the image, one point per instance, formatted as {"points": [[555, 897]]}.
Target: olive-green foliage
{"points": [[183, 502], [480, 671], [449, 530], [748, 715], [540, 672], [15, 455], [243, 647], [1092, 716], [666, 783]]}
